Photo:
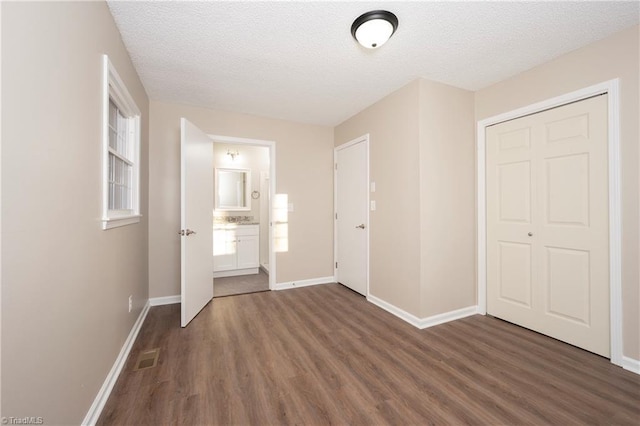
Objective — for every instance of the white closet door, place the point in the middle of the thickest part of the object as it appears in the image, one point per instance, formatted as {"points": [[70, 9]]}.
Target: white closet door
{"points": [[547, 223]]}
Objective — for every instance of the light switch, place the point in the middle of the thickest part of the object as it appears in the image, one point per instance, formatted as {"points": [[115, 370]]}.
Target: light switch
{"points": [[373, 186], [373, 205]]}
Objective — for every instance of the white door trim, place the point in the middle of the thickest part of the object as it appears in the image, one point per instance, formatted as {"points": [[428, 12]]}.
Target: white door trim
{"points": [[610, 87], [272, 187], [365, 139]]}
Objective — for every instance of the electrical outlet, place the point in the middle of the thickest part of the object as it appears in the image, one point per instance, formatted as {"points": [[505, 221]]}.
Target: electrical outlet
{"points": [[130, 302]]}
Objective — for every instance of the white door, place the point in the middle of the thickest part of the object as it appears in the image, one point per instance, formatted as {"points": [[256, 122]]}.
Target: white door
{"points": [[196, 204], [352, 220], [547, 223]]}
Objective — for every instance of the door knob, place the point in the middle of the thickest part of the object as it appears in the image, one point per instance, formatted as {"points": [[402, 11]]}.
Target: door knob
{"points": [[361, 226], [187, 232], [530, 234]]}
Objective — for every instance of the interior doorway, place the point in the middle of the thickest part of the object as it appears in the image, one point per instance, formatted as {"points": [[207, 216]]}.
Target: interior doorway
{"points": [[351, 193], [243, 256]]}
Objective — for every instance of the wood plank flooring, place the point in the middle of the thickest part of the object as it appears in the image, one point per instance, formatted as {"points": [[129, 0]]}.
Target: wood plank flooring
{"points": [[323, 355]]}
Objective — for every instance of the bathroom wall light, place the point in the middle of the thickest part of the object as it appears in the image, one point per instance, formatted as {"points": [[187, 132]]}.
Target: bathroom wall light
{"points": [[374, 28], [233, 154]]}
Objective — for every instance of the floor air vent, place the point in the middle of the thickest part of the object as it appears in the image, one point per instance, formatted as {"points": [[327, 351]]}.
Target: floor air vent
{"points": [[147, 359]]}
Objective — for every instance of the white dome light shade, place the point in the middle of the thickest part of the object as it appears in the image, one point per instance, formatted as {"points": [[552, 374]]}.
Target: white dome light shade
{"points": [[373, 34], [373, 29]]}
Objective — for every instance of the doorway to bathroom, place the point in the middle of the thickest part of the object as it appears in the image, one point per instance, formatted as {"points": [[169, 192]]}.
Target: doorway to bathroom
{"points": [[243, 259]]}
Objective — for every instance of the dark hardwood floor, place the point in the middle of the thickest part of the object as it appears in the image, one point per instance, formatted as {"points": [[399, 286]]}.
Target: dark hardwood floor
{"points": [[323, 355]]}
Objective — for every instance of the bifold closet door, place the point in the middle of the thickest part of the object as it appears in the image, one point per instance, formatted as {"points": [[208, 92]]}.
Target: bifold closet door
{"points": [[547, 223]]}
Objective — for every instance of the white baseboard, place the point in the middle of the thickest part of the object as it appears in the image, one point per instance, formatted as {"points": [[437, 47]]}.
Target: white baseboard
{"points": [[423, 322], [304, 283], [265, 268], [403, 315], [448, 316], [103, 394], [166, 300], [631, 364]]}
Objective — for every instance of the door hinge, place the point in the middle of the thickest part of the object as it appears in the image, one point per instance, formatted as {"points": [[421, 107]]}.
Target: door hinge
{"points": [[336, 166], [336, 265], [336, 216]]}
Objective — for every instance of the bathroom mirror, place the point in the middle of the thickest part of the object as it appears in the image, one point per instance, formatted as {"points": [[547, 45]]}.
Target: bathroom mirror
{"points": [[233, 189]]}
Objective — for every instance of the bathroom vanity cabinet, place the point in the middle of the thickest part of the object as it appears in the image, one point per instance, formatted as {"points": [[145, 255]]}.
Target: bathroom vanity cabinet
{"points": [[236, 249]]}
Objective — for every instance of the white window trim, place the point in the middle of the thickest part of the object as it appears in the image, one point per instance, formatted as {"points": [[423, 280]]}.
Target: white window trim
{"points": [[114, 88]]}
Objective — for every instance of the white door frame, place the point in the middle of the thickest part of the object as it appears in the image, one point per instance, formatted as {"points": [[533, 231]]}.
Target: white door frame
{"points": [[272, 187], [365, 140], [610, 87]]}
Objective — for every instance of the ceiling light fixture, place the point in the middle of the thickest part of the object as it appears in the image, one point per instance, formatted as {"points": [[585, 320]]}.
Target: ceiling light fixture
{"points": [[374, 28], [232, 154]]}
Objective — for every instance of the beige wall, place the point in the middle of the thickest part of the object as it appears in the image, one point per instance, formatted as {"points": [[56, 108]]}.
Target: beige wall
{"points": [[447, 198], [66, 282], [392, 125], [422, 234], [614, 57], [303, 171]]}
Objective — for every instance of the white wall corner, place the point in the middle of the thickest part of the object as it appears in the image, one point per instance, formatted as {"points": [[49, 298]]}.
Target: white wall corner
{"points": [[166, 300], [103, 394], [427, 322], [631, 364], [304, 283]]}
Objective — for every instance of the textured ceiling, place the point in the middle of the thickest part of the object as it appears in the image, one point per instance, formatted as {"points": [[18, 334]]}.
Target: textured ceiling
{"points": [[297, 60]]}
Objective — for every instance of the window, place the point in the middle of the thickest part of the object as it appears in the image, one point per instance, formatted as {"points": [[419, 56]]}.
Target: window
{"points": [[121, 153]]}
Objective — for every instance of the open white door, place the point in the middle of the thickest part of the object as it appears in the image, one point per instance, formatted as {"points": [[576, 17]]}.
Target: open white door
{"points": [[196, 206]]}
